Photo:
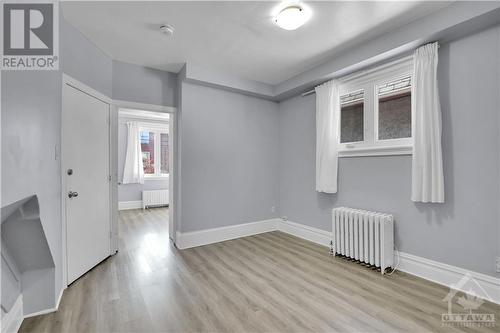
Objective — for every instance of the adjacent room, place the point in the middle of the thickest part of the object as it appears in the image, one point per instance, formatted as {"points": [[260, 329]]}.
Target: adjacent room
{"points": [[250, 166]]}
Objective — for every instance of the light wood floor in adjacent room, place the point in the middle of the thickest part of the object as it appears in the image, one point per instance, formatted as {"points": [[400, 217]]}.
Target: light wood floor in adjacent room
{"points": [[266, 283]]}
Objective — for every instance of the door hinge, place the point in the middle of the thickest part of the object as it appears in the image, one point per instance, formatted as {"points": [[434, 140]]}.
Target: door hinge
{"points": [[109, 178]]}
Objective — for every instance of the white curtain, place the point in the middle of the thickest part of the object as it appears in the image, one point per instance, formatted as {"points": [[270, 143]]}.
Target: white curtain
{"points": [[133, 171], [327, 136], [427, 166]]}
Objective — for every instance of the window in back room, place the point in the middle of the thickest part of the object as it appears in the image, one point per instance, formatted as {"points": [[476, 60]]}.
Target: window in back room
{"points": [[148, 152], [164, 153], [155, 151]]}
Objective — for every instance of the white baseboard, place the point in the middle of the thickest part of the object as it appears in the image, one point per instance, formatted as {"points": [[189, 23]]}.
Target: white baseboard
{"points": [[39, 313], [187, 240], [12, 320], [49, 310], [431, 270], [59, 298], [448, 275], [312, 234], [124, 205]]}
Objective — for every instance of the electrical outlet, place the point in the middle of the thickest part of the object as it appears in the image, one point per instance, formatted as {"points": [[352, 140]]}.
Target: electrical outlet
{"points": [[498, 264], [273, 209]]}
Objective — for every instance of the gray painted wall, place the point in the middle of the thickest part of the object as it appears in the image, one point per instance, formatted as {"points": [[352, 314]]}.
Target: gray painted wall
{"points": [[132, 192], [229, 148], [30, 139], [31, 130], [143, 85], [33, 265], [82, 60], [31, 126], [139, 84], [241, 155], [463, 231]]}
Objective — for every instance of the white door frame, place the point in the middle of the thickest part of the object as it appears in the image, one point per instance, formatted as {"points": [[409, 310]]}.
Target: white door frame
{"points": [[68, 80], [172, 111], [113, 162]]}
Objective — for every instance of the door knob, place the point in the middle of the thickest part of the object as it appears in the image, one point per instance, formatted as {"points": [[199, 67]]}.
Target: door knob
{"points": [[72, 194]]}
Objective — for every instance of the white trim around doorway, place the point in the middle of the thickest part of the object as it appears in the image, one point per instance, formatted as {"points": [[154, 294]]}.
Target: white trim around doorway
{"points": [[115, 105], [172, 122]]}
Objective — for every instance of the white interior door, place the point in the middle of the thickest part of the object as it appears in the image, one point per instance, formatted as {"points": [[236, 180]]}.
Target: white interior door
{"points": [[86, 171]]}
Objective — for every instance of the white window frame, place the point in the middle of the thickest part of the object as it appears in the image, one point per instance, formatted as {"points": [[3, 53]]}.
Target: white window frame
{"points": [[157, 130], [369, 81], [343, 145]]}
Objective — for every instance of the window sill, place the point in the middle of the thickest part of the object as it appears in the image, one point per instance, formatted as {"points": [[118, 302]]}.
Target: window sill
{"points": [[376, 151], [146, 178]]}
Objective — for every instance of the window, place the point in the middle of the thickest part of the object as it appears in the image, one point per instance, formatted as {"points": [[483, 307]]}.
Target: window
{"points": [[394, 110], [375, 111], [155, 152], [351, 117], [164, 167], [148, 152]]}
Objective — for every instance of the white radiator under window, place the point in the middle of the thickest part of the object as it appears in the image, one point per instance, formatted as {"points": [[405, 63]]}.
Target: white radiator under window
{"points": [[154, 198], [365, 236]]}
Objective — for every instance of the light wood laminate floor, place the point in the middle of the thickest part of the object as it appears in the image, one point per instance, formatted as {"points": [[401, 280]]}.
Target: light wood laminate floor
{"points": [[271, 282]]}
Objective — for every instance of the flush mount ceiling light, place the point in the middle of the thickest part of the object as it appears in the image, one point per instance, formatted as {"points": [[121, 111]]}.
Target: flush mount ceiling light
{"points": [[292, 17]]}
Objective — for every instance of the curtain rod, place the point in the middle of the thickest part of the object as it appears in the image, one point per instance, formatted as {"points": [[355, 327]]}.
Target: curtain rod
{"points": [[354, 75]]}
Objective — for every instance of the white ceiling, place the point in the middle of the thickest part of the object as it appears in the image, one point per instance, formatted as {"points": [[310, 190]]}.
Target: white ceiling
{"points": [[236, 37]]}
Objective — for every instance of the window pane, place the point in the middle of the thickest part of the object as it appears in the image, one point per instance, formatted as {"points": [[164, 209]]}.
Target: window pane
{"points": [[148, 152], [164, 152], [394, 109], [352, 117]]}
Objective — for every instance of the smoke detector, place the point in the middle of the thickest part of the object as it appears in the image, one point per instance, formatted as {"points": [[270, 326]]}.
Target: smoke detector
{"points": [[167, 29]]}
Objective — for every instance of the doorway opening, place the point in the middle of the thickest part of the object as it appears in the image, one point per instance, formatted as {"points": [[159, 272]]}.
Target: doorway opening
{"points": [[144, 165], [103, 196]]}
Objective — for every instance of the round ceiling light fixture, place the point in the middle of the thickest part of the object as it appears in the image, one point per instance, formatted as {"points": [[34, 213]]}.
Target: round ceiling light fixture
{"points": [[292, 17]]}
